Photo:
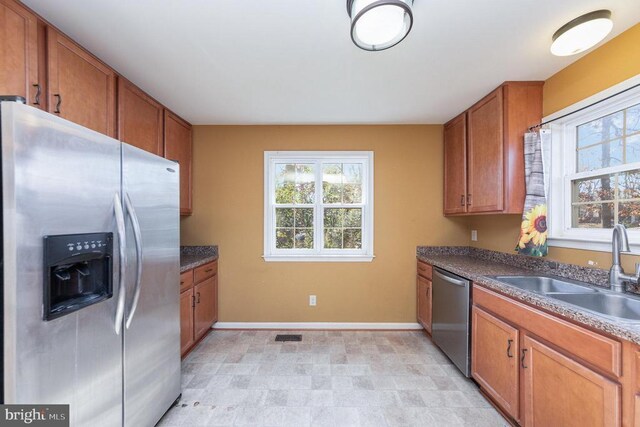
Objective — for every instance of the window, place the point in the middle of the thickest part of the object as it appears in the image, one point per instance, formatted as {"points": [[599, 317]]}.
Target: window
{"points": [[595, 172], [318, 206]]}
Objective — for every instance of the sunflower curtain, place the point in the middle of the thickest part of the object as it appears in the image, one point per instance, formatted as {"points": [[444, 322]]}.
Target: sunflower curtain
{"points": [[533, 229]]}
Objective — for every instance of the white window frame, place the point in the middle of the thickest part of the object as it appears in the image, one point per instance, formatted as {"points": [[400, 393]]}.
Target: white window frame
{"points": [[319, 254], [563, 168]]}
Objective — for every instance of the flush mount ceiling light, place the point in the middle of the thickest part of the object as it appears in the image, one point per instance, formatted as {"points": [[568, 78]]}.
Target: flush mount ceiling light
{"points": [[379, 24], [582, 33]]}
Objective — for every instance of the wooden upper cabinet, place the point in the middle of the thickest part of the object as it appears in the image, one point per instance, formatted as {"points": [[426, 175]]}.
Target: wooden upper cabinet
{"points": [[486, 155], [177, 147], [140, 118], [494, 160], [19, 73], [494, 365], [455, 165], [562, 392], [81, 88]]}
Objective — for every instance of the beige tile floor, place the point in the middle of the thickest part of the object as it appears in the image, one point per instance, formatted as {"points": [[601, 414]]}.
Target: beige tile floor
{"points": [[331, 378]]}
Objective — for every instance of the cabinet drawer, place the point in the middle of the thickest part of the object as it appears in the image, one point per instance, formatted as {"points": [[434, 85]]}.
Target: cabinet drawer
{"points": [[205, 271], [186, 280], [424, 270], [601, 352]]}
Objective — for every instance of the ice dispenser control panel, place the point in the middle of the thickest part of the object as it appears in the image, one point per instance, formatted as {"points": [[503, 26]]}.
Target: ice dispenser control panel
{"points": [[78, 272]]}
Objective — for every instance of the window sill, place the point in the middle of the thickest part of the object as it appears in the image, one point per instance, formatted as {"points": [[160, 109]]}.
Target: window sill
{"points": [[318, 258], [589, 244]]}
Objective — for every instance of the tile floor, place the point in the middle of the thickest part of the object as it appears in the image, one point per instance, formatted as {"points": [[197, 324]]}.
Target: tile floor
{"points": [[331, 378]]}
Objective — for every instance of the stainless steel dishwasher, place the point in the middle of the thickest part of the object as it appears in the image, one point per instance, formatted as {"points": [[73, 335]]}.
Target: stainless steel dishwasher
{"points": [[450, 324]]}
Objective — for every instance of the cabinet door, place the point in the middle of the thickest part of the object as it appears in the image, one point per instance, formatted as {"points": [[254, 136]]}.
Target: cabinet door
{"points": [[186, 321], [203, 312], [81, 88], [562, 392], [494, 359], [424, 302], [177, 147], [19, 52], [455, 165], [140, 119], [486, 155]]}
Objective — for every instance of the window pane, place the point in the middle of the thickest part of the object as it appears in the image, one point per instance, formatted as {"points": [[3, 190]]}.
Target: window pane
{"points": [[352, 238], [600, 156], [284, 217], [285, 182], [303, 238], [305, 184], [303, 217], [295, 183], [633, 148], [602, 129], [633, 119], [284, 238], [629, 185], [353, 217], [594, 189], [352, 173], [597, 215], [332, 183], [333, 238], [333, 217]]}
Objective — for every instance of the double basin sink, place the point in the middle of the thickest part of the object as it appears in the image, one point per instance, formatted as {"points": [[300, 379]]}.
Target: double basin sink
{"points": [[615, 306]]}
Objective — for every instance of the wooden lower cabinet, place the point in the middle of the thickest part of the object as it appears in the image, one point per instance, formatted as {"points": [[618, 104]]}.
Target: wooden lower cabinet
{"points": [[494, 365], [543, 370], [561, 391], [424, 302], [198, 304], [186, 321]]}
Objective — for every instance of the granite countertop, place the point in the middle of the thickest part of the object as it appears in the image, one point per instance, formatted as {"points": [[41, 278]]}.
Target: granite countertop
{"points": [[476, 266], [195, 256]]}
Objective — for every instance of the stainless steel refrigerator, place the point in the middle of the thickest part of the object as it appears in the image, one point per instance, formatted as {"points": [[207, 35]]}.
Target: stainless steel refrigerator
{"points": [[90, 272]]}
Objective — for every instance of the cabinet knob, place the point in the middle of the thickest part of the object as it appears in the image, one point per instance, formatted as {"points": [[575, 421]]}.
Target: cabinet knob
{"points": [[36, 100], [462, 200], [509, 354], [198, 294], [524, 354], [57, 110], [193, 301], [469, 199]]}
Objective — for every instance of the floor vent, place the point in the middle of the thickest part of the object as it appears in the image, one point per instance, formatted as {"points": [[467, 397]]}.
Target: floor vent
{"points": [[288, 337]]}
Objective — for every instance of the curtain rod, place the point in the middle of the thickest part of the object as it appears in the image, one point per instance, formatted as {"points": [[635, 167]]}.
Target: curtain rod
{"points": [[585, 107]]}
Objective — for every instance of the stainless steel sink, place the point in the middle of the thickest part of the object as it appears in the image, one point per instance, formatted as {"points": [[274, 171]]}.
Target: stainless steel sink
{"points": [[615, 306], [544, 285]]}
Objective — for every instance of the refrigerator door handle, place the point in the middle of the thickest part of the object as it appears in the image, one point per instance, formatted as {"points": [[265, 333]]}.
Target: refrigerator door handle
{"points": [[138, 239], [122, 245]]}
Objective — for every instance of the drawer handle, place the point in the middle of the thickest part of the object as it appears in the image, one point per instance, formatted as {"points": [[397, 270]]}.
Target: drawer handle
{"points": [[36, 101], [509, 354], [193, 301], [181, 282], [469, 199], [198, 294], [208, 270], [462, 200], [524, 354], [57, 110]]}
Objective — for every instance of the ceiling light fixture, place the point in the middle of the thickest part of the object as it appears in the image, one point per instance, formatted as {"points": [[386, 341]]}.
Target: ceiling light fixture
{"points": [[379, 24], [582, 33]]}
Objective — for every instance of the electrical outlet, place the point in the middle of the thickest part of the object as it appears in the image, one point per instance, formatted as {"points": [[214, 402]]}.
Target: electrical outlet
{"points": [[474, 235], [312, 300]]}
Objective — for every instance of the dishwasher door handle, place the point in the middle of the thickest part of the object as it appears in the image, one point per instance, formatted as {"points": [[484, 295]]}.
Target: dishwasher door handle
{"points": [[451, 280]]}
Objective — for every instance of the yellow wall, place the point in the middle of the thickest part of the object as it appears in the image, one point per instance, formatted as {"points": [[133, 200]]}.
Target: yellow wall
{"points": [[228, 211], [606, 66]]}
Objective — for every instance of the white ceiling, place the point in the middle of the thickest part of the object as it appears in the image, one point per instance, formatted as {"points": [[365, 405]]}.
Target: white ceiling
{"points": [[293, 62]]}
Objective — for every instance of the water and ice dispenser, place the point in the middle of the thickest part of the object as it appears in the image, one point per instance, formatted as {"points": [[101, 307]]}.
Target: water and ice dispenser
{"points": [[78, 272]]}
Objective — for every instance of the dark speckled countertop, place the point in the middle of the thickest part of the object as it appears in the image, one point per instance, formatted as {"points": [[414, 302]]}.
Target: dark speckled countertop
{"points": [[195, 256], [477, 264]]}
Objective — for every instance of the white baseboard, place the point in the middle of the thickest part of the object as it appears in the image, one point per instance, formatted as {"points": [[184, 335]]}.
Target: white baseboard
{"points": [[317, 325]]}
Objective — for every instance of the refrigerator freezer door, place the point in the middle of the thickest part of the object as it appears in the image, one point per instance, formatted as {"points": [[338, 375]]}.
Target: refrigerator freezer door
{"points": [[152, 331], [57, 178]]}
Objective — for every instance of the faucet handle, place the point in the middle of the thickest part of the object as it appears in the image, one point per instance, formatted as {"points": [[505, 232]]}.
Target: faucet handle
{"points": [[638, 271]]}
